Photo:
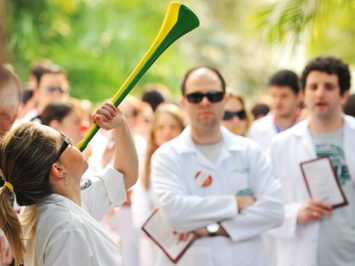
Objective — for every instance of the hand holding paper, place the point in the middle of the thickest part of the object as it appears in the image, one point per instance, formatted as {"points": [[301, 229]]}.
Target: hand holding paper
{"points": [[313, 210], [323, 186]]}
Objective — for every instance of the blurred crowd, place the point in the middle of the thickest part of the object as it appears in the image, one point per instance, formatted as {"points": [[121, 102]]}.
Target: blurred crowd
{"points": [[155, 118]]}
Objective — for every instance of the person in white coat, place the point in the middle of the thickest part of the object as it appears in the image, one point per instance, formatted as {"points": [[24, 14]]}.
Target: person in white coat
{"points": [[59, 224], [286, 98], [313, 233], [215, 184], [168, 122]]}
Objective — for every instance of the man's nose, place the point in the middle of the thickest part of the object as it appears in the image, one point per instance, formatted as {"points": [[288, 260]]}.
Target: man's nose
{"points": [[320, 91], [205, 100]]}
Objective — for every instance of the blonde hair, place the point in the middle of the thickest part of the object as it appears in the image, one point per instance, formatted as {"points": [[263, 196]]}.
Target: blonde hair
{"points": [[135, 103], [26, 155], [172, 110], [240, 98]]}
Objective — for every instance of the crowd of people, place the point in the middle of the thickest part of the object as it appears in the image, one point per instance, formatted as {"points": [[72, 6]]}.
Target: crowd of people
{"points": [[212, 167]]}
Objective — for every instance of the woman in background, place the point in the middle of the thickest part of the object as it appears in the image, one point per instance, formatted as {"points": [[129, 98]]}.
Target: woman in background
{"points": [[236, 119], [64, 116], [167, 124]]}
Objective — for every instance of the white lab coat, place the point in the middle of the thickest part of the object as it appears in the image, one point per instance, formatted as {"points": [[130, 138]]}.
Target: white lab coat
{"points": [[67, 234], [241, 165], [297, 243], [143, 202], [121, 219], [263, 130]]}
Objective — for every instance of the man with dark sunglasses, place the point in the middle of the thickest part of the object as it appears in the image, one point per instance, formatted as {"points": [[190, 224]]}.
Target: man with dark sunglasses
{"points": [[213, 183], [286, 98]]}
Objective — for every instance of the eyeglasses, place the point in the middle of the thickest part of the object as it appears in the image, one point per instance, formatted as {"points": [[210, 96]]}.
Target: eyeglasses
{"points": [[212, 96], [10, 100], [59, 89], [229, 115], [66, 143]]}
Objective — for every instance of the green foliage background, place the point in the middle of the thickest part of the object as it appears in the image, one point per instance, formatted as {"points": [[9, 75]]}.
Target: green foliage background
{"points": [[99, 42]]}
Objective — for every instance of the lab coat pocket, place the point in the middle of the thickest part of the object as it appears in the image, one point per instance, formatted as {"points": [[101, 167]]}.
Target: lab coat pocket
{"points": [[197, 256], [238, 182]]}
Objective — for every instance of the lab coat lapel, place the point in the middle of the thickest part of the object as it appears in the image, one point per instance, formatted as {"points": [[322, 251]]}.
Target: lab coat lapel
{"points": [[306, 141], [228, 146], [349, 144], [187, 145]]}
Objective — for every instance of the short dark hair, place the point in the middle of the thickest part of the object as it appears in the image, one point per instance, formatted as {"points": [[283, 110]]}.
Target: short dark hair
{"points": [[56, 110], [330, 65], [39, 70], [260, 109], [27, 94], [183, 83], [286, 78], [154, 98], [349, 107]]}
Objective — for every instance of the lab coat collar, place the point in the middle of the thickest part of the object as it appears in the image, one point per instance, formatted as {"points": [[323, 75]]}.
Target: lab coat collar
{"points": [[349, 122], [302, 128], [349, 132], [301, 131], [65, 202], [266, 124], [187, 145]]}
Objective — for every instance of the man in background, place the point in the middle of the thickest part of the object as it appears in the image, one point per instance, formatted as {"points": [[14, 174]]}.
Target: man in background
{"points": [[214, 183], [313, 232], [285, 102], [51, 84]]}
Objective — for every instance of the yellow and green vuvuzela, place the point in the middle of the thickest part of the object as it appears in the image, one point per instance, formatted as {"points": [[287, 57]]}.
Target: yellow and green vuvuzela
{"points": [[178, 21]]}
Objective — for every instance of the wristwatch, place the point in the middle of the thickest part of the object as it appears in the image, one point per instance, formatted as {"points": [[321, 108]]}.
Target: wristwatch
{"points": [[212, 229]]}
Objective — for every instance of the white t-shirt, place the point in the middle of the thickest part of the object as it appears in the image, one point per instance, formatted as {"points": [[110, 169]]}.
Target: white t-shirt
{"points": [[336, 241]]}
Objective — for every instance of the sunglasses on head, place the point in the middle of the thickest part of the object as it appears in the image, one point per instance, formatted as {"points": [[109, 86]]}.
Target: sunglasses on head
{"points": [[229, 115], [53, 89], [212, 96]]}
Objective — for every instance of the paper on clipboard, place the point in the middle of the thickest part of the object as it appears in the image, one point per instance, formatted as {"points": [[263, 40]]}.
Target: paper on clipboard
{"points": [[322, 182], [161, 232]]}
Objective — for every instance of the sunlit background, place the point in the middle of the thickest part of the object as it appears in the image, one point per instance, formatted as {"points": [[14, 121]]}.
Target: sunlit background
{"points": [[99, 42]]}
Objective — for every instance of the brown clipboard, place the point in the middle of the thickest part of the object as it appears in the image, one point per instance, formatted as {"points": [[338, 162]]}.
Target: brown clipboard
{"points": [[176, 259], [345, 201]]}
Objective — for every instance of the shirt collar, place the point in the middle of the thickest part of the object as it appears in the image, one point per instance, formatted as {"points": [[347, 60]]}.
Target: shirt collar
{"points": [[187, 145]]}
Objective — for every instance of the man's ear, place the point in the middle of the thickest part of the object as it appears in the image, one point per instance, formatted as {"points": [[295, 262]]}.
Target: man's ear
{"points": [[183, 101], [55, 124], [300, 96], [57, 171], [344, 98]]}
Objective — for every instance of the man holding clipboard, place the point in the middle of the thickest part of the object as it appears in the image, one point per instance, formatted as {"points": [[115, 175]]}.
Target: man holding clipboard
{"points": [[315, 163]]}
